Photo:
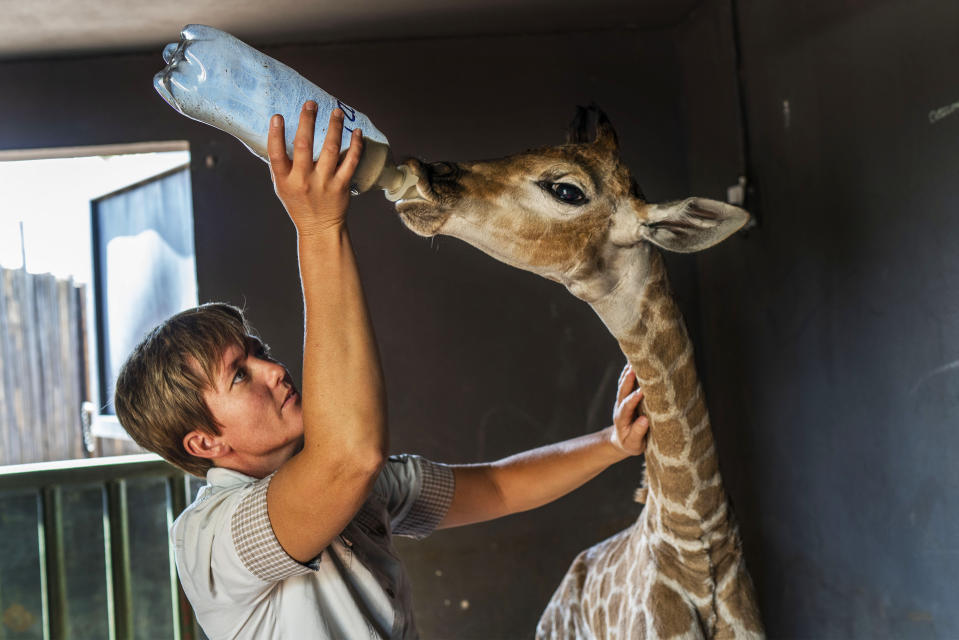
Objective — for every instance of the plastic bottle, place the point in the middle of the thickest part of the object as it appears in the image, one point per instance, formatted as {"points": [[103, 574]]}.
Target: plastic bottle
{"points": [[216, 79]]}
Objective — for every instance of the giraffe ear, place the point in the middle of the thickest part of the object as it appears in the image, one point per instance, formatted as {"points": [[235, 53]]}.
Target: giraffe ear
{"points": [[605, 133], [578, 132], [591, 125], [691, 225]]}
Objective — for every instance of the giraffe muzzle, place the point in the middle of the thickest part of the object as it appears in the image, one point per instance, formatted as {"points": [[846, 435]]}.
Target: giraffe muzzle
{"points": [[442, 172], [439, 182]]}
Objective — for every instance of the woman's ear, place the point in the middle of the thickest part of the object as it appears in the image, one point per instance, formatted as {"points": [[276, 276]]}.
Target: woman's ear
{"points": [[204, 445]]}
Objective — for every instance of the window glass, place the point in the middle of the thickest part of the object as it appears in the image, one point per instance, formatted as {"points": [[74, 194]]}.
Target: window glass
{"points": [[144, 266], [152, 604], [21, 600], [84, 562]]}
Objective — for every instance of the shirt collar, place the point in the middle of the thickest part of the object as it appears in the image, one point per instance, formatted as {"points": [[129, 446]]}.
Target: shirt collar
{"points": [[221, 477]]}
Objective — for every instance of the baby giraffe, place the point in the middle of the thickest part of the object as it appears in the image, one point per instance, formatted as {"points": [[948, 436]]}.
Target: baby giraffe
{"points": [[574, 214]]}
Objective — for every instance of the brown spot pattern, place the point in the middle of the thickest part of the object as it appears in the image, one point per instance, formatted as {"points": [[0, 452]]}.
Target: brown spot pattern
{"points": [[671, 614], [696, 414], [726, 555], [645, 371], [599, 623], [620, 573], [695, 582], [696, 561], [702, 445], [670, 437], [676, 483], [668, 346], [682, 524], [638, 625], [684, 379], [707, 468], [656, 400], [615, 606], [709, 499]]}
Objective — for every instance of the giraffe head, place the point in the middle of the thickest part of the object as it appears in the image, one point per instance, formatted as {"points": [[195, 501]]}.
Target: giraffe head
{"points": [[572, 213]]}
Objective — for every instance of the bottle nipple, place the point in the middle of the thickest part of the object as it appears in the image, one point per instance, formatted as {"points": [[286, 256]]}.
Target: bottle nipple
{"points": [[397, 182]]}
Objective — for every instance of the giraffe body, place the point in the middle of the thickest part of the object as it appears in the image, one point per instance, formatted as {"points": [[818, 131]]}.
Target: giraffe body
{"points": [[573, 214]]}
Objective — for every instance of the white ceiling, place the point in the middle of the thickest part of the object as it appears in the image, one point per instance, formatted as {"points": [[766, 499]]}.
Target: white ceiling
{"points": [[55, 28]]}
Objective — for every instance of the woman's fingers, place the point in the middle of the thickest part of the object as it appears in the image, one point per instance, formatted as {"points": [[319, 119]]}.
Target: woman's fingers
{"points": [[627, 382], [637, 433], [641, 424], [622, 376], [632, 402], [303, 141], [352, 158], [629, 426], [328, 164], [276, 148], [330, 151]]}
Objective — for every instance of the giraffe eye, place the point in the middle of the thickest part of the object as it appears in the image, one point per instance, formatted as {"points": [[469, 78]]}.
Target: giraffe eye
{"points": [[565, 192]]}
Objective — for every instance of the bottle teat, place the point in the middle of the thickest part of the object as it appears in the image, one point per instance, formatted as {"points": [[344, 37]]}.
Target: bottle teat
{"points": [[397, 181]]}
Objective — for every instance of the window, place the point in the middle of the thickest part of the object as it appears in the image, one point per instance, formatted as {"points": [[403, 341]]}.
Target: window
{"points": [[96, 247]]}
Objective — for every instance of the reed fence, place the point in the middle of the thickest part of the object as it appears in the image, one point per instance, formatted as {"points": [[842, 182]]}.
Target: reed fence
{"points": [[44, 370]]}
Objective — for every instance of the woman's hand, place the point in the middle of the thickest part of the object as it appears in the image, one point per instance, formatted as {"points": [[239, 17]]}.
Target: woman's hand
{"points": [[315, 194], [629, 425]]}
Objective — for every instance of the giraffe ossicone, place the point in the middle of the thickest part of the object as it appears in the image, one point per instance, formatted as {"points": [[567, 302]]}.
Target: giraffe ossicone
{"points": [[574, 214]]}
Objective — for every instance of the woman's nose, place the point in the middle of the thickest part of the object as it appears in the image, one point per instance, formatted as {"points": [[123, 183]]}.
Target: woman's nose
{"points": [[275, 372]]}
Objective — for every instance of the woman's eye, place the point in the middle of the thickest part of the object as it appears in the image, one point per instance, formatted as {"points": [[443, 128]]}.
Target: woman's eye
{"points": [[240, 376], [568, 193]]}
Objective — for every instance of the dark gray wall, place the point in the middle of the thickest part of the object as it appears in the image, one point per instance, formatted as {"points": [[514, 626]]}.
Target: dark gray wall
{"points": [[831, 335], [481, 360]]}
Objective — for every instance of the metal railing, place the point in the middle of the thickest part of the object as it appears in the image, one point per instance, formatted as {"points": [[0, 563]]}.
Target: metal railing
{"points": [[85, 552]]}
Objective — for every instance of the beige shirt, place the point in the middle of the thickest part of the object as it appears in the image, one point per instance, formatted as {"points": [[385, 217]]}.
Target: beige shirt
{"points": [[242, 584]]}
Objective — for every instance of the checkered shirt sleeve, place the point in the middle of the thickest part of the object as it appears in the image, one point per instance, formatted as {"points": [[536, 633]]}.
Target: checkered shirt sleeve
{"points": [[256, 544], [436, 494]]}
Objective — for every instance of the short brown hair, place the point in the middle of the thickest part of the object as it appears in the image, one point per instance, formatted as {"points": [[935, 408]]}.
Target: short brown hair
{"points": [[159, 392]]}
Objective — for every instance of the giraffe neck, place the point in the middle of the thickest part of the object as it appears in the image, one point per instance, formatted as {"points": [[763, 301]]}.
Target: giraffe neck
{"points": [[685, 487]]}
